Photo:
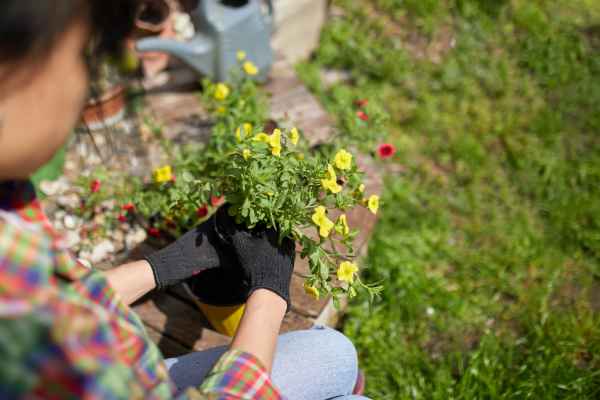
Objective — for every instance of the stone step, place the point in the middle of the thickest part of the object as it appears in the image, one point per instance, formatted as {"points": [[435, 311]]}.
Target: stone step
{"points": [[298, 26]]}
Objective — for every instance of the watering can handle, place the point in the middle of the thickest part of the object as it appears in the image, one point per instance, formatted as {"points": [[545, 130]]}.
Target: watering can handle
{"points": [[270, 16]]}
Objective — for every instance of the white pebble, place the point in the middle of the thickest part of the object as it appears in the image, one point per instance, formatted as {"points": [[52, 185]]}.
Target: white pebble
{"points": [[70, 222], [101, 250], [72, 239], [68, 200]]}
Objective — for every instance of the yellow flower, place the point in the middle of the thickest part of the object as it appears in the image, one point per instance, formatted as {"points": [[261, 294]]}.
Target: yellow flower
{"points": [[346, 271], [373, 203], [221, 110], [331, 172], [270, 194], [246, 153], [343, 159], [163, 174], [262, 137], [341, 225], [221, 91], [241, 55], [250, 68], [361, 188], [320, 219], [247, 130], [331, 182], [275, 142], [332, 186], [300, 156], [311, 290], [294, 136]]}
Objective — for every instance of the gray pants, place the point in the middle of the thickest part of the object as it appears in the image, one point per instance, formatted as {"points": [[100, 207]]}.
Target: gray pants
{"points": [[315, 364]]}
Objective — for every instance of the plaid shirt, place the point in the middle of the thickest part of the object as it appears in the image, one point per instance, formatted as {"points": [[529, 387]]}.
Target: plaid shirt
{"points": [[64, 333]]}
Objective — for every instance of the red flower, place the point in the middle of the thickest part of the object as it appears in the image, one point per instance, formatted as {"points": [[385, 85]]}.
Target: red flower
{"points": [[154, 232], [361, 102], [95, 185], [173, 178], [128, 207], [362, 115], [202, 212], [122, 218], [216, 201], [386, 150]]}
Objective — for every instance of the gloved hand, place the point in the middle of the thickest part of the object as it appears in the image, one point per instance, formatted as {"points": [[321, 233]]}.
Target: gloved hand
{"points": [[266, 263], [197, 250]]}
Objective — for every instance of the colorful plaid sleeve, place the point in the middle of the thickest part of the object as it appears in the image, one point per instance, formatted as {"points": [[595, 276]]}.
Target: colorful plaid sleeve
{"points": [[239, 375], [65, 334]]}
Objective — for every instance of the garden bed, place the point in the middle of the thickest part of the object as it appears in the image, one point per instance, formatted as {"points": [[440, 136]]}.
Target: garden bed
{"points": [[171, 317]]}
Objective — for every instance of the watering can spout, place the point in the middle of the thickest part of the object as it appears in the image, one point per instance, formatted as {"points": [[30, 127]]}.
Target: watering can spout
{"points": [[198, 53]]}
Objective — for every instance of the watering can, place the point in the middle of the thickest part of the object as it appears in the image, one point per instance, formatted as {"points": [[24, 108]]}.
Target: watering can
{"points": [[223, 27]]}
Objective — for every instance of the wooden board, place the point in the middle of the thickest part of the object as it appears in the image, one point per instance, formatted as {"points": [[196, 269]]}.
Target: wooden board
{"points": [[291, 101], [168, 346], [178, 320]]}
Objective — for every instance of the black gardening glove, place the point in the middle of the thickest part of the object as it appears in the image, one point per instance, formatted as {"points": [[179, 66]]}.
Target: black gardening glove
{"points": [[266, 263], [198, 250]]}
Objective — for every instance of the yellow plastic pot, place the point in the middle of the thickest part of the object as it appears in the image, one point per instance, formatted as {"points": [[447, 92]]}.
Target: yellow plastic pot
{"points": [[224, 319]]}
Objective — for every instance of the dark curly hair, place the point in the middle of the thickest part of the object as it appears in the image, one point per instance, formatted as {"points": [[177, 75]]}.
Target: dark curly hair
{"points": [[29, 28]]}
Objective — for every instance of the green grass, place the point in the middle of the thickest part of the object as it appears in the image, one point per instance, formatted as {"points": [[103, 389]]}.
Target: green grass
{"points": [[489, 241]]}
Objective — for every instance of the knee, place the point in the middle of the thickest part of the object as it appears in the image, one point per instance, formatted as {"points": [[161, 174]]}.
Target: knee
{"points": [[338, 346], [321, 356], [339, 349]]}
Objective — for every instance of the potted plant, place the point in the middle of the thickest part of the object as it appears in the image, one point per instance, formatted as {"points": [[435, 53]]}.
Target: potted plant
{"points": [[268, 177], [106, 101]]}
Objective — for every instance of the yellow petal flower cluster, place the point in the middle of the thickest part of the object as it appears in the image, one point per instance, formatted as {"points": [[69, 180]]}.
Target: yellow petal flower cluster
{"points": [[311, 290], [262, 137], [346, 271], [247, 129], [221, 91], [294, 136], [273, 140], [246, 153], [343, 160], [250, 68], [341, 226], [373, 203], [241, 55], [320, 219], [163, 174], [330, 183]]}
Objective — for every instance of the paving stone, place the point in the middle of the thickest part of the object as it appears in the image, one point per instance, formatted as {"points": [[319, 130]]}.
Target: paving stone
{"points": [[291, 100], [303, 303], [294, 322], [298, 25], [167, 345], [179, 320]]}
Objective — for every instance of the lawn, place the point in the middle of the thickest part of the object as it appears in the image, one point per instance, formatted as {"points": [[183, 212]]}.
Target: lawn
{"points": [[488, 242]]}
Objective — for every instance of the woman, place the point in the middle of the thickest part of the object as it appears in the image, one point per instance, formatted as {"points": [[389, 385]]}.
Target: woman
{"points": [[67, 331]]}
